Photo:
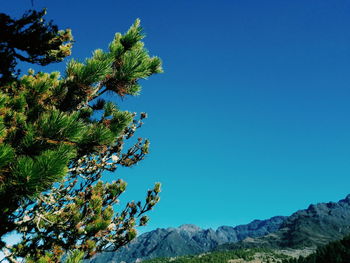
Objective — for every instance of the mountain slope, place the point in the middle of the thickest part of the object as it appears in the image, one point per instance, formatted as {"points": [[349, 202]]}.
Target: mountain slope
{"points": [[335, 252], [253, 255]]}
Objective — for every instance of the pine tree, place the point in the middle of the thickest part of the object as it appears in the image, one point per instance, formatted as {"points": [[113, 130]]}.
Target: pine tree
{"points": [[59, 134], [32, 40]]}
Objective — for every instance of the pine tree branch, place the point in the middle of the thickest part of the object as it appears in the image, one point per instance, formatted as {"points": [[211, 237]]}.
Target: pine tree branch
{"points": [[8, 255]]}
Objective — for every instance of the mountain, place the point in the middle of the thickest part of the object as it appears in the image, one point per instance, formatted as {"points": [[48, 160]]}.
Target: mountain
{"points": [[317, 225], [186, 240], [312, 227]]}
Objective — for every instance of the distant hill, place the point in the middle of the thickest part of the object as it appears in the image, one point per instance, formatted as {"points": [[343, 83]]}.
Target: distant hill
{"points": [[317, 225], [187, 240]]}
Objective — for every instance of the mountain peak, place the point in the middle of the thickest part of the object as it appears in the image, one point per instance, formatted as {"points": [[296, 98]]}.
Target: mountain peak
{"points": [[190, 228], [346, 199]]}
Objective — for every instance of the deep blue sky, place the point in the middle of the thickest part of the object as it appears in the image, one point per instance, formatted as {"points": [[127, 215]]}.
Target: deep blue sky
{"points": [[250, 118]]}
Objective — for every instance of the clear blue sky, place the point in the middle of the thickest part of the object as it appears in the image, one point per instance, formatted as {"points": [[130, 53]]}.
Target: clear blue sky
{"points": [[251, 118]]}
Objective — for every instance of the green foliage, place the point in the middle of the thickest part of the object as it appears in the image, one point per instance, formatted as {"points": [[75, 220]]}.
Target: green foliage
{"points": [[266, 255], [75, 256], [58, 135], [6, 155], [334, 252], [60, 126], [34, 175]]}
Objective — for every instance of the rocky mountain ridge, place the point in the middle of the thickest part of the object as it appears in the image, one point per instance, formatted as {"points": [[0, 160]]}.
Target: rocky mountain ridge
{"points": [[312, 227]]}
